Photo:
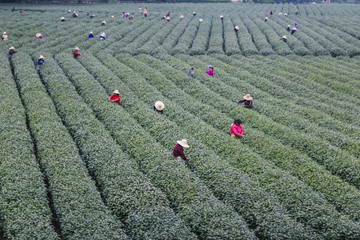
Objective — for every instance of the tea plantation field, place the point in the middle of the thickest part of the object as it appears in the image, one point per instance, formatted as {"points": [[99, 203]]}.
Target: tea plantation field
{"points": [[75, 166]]}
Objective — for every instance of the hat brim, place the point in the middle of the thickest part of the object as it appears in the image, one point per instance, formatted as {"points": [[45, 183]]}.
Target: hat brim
{"points": [[159, 107], [246, 98], [182, 144]]}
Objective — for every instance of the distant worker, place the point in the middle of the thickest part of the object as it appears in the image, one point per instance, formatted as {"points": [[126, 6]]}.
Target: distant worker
{"points": [[247, 100], [284, 39], [131, 17], [293, 30], [75, 14], [266, 19], [145, 12], [102, 36], [76, 53], [115, 97], [168, 19], [181, 17], [271, 12], [296, 13], [222, 18], [91, 35], [92, 16], [200, 20], [178, 151], [211, 71], [159, 107], [4, 37], [21, 11], [103, 23], [236, 29], [168, 14], [62, 19], [285, 14], [296, 25], [236, 130], [11, 52], [139, 9], [39, 35], [40, 62], [191, 73], [69, 11], [288, 28], [194, 13], [88, 13], [280, 13], [13, 9]]}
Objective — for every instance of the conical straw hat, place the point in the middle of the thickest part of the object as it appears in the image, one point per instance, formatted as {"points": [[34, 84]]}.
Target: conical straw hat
{"points": [[183, 143], [247, 97], [159, 105]]}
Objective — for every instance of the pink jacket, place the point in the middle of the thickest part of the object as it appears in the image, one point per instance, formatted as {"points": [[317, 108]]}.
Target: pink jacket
{"points": [[237, 130], [210, 72]]}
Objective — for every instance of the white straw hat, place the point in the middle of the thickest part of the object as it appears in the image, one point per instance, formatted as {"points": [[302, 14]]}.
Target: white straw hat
{"points": [[294, 28], [11, 48], [221, 16], [112, 16], [194, 12], [62, 18], [41, 57], [183, 143], [200, 20], [237, 27], [289, 26], [69, 10], [116, 91], [91, 32], [159, 105], [181, 16], [4, 33], [210, 66], [76, 48], [284, 36], [38, 35], [103, 21], [247, 97]]}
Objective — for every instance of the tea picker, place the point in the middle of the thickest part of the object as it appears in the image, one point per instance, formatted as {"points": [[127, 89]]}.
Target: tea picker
{"points": [[293, 30], [236, 29], [115, 98], [76, 53], [284, 39], [102, 36], [62, 19], [178, 150], [11, 52], [4, 37], [211, 71], [159, 107], [191, 73], [91, 35], [236, 130], [40, 62], [247, 100]]}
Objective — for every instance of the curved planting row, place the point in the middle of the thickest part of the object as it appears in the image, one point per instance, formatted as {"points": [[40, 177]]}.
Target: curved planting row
{"points": [[142, 208], [219, 141], [25, 211], [193, 201], [75, 196], [261, 210], [302, 169]]}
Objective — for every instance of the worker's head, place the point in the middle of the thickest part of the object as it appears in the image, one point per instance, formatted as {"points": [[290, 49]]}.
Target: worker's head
{"points": [[211, 67], [4, 33], [77, 49], [237, 122], [116, 92], [91, 32], [247, 97], [11, 48], [192, 69]]}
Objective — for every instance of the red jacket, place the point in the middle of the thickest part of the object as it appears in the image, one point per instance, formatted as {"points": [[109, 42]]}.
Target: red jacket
{"points": [[237, 130], [115, 98], [179, 152], [76, 54]]}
